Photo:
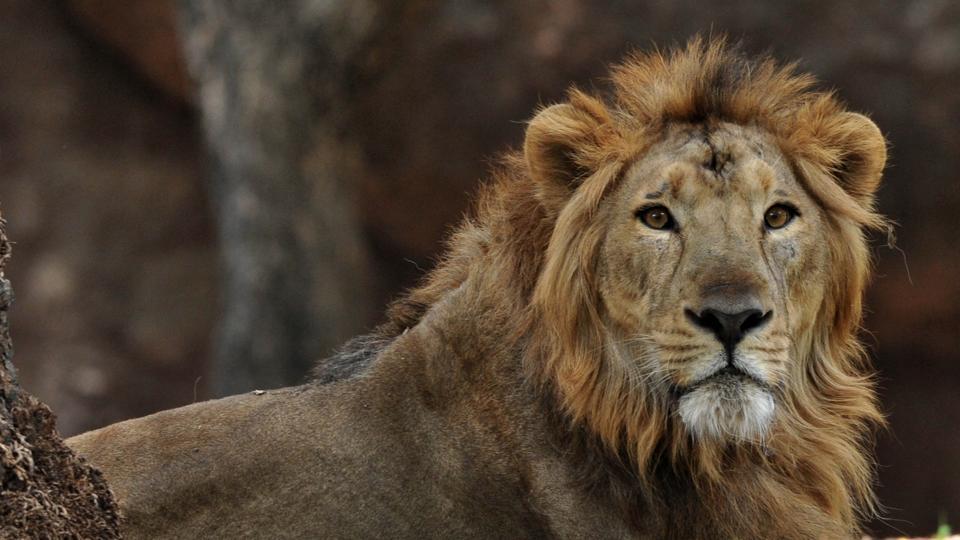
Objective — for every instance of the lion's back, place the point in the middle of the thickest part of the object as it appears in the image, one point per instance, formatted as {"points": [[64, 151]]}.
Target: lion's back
{"points": [[311, 461]]}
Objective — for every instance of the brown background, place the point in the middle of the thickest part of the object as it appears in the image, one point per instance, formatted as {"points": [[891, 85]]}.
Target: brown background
{"points": [[103, 181]]}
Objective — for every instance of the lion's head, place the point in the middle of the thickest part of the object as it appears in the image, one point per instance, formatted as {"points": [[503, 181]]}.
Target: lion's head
{"points": [[701, 293]]}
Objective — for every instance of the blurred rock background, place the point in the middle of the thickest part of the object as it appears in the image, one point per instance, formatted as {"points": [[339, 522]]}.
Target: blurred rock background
{"points": [[115, 199]]}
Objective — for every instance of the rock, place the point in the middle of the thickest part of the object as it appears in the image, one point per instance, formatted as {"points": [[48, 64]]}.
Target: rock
{"points": [[46, 491]]}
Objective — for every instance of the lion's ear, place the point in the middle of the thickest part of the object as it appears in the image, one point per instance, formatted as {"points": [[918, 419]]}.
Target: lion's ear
{"points": [[561, 147], [864, 155]]}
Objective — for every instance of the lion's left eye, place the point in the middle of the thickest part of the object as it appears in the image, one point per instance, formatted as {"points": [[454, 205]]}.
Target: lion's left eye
{"points": [[778, 216]]}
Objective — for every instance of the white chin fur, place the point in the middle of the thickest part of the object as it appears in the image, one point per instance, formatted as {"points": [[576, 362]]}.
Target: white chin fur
{"points": [[728, 409]]}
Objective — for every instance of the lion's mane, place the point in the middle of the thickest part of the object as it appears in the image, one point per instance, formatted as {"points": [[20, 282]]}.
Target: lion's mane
{"points": [[538, 246]]}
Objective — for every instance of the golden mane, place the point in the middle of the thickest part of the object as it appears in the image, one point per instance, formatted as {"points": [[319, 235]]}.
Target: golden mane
{"points": [[541, 243]]}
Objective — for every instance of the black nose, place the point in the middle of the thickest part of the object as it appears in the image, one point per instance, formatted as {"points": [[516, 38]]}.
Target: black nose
{"points": [[729, 327]]}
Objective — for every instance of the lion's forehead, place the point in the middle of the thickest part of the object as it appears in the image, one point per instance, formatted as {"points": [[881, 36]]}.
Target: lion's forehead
{"points": [[699, 164]]}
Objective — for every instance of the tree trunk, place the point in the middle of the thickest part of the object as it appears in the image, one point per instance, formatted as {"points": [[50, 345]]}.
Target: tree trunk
{"points": [[270, 78], [47, 491]]}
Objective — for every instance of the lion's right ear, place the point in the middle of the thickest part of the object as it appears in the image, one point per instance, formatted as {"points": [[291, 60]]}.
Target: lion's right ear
{"points": [[562, 147]]}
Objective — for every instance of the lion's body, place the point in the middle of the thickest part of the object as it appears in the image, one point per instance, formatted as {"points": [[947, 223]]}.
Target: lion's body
{"points": [[345, 461], [560, 374]]}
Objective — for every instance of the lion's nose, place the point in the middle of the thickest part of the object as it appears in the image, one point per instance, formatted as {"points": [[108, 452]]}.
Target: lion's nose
{"points": [[729, 328]]}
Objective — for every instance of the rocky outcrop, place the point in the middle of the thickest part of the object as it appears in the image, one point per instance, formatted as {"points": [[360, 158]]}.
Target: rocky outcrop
{"points": [[46, 491]]}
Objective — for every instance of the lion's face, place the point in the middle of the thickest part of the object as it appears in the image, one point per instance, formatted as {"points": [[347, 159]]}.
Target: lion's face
{"points": [[712, 261]]}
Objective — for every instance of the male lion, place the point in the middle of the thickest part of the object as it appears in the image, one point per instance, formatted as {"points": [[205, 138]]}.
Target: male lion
{"points": [[648, 329]]}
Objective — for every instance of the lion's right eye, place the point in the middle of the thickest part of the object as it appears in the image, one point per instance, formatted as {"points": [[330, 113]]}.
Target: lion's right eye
{"points": [[656, 217]]}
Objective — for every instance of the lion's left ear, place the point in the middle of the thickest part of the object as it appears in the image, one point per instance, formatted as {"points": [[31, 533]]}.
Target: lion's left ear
{"points": [[562, 147], [863, 155]]}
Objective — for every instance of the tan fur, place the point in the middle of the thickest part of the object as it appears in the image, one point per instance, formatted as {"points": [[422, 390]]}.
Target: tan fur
{"points": [[538, 363]]}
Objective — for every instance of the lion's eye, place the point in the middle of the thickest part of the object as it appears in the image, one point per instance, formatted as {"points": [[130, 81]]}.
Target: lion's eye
{"points": [[656, 217], [778, 216]]}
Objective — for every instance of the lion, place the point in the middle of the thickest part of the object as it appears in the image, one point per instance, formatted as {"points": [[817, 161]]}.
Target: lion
{"points": [[648, 327]]}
